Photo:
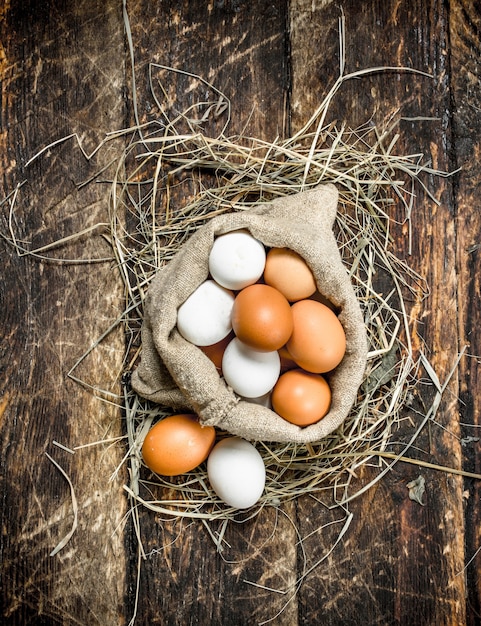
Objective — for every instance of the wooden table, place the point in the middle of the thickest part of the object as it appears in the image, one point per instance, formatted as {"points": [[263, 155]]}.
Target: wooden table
{"points": [[65, 68]]}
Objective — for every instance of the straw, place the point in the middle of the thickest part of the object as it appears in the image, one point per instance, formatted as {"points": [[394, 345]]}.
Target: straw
{"points": [[221, 173]]}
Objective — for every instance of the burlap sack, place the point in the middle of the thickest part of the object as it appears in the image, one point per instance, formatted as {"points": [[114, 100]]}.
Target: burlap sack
{"points": [[177, 374]]}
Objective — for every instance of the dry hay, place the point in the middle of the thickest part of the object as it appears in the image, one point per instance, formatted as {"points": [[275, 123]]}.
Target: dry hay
{"points": [[175, 157]]}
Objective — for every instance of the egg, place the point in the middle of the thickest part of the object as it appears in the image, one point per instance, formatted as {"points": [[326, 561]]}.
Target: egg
{"points": [[301, 397], [177, 444], [236, 472], [236, 260], [318, 341], [262, 317], [205, 317], [215, 352], [289, 273], [250, 373], [287, 362]]}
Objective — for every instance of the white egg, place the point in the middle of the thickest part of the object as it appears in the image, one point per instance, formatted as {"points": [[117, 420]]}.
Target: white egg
{"points": [[237, 260], [236, 472], [249, 372], [205, 317]]}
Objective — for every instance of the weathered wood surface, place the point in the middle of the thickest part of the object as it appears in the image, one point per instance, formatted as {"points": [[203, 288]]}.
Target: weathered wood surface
{"points": [[57, 79], [64, 68]]}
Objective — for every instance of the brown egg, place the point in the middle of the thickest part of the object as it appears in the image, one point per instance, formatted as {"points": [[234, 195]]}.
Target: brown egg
{"points": [[287, 363], [318, 341], [177, 444], [262, 318], [289, 273], [301, 397], [215, 352]]}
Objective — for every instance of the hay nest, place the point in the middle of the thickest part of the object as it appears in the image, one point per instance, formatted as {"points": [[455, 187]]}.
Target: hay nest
{"points": [[174, 177]]}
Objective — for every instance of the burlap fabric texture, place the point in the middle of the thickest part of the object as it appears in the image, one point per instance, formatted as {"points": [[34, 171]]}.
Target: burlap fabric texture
{"points": [[177, 374]]}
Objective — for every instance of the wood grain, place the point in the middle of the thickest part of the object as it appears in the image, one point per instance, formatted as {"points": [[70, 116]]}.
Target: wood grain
{"points": [[385, 564], [57, 79], [465, 25], [239, 48]]}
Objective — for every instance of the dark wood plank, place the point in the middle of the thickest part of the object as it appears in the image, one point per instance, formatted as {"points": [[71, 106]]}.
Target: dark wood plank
{"points": [[465, 25], [397, 555], [240, 49], [57, 77]]}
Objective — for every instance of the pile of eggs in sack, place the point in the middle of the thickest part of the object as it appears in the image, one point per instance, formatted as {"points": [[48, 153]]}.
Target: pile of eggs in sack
{"points": [[261, 320]]}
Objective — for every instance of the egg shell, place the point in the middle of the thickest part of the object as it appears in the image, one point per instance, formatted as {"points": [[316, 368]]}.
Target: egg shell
{"points": [[288, 272], [236, 260], [287, 362], [205, 317], [177, 444], [215, 352], [318, 341], [262, 317], [250, 373], [300, 397], [236, 472]]}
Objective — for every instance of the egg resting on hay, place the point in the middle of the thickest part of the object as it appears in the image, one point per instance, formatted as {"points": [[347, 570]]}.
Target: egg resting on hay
{"points": [[175, 373]]}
